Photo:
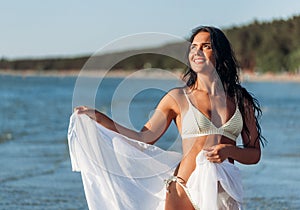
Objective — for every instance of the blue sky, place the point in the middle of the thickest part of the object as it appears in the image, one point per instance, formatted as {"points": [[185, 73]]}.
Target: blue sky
{"points": [[37, 28]]}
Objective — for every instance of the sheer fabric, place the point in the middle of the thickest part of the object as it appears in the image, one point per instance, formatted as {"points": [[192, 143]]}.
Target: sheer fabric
{"points": [[122, 173]]}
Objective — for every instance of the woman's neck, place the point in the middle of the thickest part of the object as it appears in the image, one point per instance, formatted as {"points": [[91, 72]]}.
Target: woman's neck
{"points": [[210, 83]]}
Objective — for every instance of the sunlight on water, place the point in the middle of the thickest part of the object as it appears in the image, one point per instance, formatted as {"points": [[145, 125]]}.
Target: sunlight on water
{"points": [[35, 166]]}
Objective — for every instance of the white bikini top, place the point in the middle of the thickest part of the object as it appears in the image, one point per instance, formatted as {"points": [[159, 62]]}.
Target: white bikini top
{"points": [[196, 124]]}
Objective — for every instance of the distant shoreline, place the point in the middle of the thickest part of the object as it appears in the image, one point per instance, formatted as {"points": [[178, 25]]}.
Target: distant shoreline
{"points": [[269, 77], [245, 76]]}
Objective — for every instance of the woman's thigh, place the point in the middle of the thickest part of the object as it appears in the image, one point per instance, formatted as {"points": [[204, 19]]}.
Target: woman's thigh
{"points": [[176, 198]]}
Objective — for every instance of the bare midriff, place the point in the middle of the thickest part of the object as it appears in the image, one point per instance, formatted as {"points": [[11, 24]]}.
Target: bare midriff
{"points": [[192, 147]]}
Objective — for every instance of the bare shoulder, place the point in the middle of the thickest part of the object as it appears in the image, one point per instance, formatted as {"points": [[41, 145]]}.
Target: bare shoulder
{"points": [[173, 99], [177, 93]]}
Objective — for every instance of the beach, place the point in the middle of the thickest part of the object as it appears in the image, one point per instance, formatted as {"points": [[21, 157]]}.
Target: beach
{"points": [[36, 169], [245, 76]]}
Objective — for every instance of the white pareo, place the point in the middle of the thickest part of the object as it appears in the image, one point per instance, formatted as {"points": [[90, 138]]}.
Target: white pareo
{"points": [[122, 173]]}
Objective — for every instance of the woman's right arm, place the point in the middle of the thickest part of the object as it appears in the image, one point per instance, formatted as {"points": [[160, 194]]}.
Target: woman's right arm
{"points": [[152, 130], [107, 122]]}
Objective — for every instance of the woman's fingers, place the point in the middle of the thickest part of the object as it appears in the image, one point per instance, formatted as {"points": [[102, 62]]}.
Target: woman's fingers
{"points": [[210, 151], [81, 109], [214, 159], [86, 110], [216, 153]]}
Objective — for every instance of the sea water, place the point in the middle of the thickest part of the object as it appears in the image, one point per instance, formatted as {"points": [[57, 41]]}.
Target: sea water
{"points": [[35, 169]]}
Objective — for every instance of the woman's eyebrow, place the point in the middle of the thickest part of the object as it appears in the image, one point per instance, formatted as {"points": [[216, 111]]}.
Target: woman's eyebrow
{"points": [[201, 43]]}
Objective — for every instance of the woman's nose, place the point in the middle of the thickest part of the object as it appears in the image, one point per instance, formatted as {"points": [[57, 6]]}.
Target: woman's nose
{"points": [[199, 51]]}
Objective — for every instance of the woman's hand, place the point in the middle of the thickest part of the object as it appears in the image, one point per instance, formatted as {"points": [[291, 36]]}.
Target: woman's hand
{"points": [[218, 153], [86, 110]]}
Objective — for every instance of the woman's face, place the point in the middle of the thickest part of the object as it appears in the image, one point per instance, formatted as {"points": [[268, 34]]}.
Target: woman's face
{"points": [[201, 54]]}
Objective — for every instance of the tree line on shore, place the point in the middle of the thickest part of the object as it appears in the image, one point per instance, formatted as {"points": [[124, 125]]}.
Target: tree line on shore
{"points": [[259, 46]]}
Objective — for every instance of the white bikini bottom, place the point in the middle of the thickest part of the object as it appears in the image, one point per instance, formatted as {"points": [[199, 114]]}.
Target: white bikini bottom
{"points": [[212, 186], [120, 173]]}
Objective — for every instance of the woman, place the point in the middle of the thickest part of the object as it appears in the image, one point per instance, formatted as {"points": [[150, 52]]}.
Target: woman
{"points": [[210, 112]]}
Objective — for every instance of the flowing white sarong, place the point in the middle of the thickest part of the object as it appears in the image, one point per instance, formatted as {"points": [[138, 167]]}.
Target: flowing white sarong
{"points": [[123, 174]]}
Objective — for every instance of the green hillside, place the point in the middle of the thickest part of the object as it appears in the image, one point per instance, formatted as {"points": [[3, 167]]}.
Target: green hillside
{"points": [[259, 46], [269, 46]]}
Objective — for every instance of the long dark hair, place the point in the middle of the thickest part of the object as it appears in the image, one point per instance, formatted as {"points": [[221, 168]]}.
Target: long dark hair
{"points": [[227, 68]]}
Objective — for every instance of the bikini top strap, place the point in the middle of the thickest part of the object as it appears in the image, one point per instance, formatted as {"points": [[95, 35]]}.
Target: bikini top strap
{"points": [[187, 98]]}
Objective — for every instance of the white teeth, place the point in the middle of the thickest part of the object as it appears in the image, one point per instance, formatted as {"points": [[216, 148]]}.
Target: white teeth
{"points": [[199, 60]]}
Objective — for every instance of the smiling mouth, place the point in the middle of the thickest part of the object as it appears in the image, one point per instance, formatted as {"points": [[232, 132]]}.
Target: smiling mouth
{"points": [[199, 60]]}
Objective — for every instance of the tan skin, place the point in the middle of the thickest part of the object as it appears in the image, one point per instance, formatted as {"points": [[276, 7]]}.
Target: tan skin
{"points": [[172, 107]]}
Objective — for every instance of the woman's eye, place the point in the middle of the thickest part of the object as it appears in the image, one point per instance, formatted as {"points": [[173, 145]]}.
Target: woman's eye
{"points": [[207, 46], [193, 47]]}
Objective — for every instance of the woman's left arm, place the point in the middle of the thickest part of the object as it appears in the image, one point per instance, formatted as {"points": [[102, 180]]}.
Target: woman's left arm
{"points": [[250, 154]]}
